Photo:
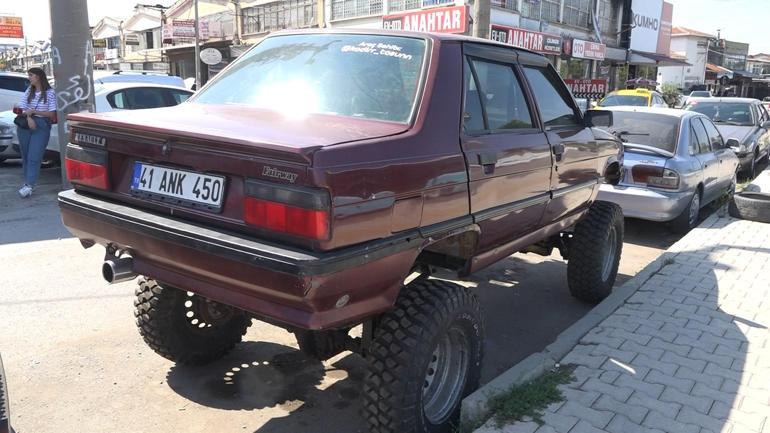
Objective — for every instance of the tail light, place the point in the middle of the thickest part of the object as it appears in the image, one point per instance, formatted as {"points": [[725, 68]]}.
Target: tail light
{"points": [[296, 211], [658, 177], [87, 167]]}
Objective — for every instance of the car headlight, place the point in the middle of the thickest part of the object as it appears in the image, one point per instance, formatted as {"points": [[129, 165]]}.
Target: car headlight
{"points": [[6, 129]]}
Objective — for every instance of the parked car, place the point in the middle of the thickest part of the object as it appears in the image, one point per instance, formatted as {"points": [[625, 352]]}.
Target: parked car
{"points": [[701, 94], [742, 119], [633, 97], [766, 103], [147, 77], [675, 163], [111, 96], [12, 88], [276, 193], [5, 406]]}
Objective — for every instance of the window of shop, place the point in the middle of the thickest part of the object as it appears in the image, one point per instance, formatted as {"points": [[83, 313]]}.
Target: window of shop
{"points": [[507, 4], [342, 9], [547, 10], [575, 68], [403, 5], [290, 14], [577, 12]]}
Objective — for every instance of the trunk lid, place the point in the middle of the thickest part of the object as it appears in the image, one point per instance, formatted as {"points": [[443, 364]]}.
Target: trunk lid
{"points": [[636, 156]]}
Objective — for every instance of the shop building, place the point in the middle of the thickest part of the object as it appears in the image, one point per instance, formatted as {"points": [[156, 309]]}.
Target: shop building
{"points": [[693, 46]]}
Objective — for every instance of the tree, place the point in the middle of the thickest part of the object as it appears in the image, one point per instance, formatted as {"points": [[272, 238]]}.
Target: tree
{"points": [[670, 93]]}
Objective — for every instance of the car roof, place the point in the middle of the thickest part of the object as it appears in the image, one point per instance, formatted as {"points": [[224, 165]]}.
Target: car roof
{"points": [[671, 112], [117, 85], [633, 92], [13, 74], [449, 37], [723, 99]]}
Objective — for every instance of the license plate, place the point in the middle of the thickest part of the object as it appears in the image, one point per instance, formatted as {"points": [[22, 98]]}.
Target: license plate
{"points": [[178, 186]]}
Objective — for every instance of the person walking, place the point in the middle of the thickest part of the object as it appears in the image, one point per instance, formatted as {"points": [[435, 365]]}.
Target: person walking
{"points": [[38, 106]]}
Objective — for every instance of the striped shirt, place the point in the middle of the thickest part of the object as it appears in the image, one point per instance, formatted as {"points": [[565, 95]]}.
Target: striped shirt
{"points": [[49, 104]]}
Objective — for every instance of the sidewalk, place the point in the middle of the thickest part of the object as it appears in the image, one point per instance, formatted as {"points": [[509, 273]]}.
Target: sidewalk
{"points": [[689, 352]]}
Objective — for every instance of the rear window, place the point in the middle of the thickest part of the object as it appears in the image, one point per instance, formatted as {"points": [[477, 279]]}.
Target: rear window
{"points": [[367, 76], [731, 113], [616, 100], [650, 129]]}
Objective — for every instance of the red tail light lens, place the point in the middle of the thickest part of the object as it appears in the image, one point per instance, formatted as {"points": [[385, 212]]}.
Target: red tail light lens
{"points": [[658, 177], [280, 217], [85, 173]]}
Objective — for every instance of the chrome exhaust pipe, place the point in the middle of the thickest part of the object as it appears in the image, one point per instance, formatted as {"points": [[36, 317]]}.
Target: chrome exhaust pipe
{"points": [[117, 270]]}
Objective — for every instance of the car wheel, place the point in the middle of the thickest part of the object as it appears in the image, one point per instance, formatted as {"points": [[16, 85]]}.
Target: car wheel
{"points": [[752, 206], [687, 220], [752, 171], [424, 359], [184, 327], [598, 238]]}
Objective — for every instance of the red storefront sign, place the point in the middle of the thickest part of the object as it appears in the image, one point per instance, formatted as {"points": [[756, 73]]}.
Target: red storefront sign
{"points": [[534, 41], [588, 50], [440, 20], [11, 27], [587, 88]]}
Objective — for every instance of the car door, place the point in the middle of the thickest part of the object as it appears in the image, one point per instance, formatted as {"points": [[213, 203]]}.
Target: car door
{"points": [[763, 140], [507, 154], [723, 155], [708, 161], [576, 170]]}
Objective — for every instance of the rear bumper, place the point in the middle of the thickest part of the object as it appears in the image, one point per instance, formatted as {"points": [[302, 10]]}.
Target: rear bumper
{"points": [[645, 203], [297, 288]]}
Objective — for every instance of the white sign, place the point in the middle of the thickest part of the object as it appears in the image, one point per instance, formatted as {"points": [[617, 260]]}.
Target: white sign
{"points": [[646, 22], [588, 50], [111, 53], [211, 56]]}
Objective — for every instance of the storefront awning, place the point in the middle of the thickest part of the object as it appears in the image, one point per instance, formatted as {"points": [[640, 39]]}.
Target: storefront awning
{"points": [[144, 56], [641, 57], [719, 71]]}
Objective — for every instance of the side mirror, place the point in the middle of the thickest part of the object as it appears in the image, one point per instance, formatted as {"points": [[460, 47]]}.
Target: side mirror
{"points": [[766, 124], [735, 145], [598, 118]]}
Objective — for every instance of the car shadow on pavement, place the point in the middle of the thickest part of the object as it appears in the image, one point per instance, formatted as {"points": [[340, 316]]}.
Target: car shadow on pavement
{"points": [[36, 218], [258, 375]]}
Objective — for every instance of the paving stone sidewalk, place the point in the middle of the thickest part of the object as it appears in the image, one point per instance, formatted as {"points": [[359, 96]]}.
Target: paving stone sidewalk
{"points": [[689, 352]]}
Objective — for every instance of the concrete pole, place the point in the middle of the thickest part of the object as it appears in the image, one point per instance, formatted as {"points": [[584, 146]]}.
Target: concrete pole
{"points": [[238, 27], [481, 17], [72, 57], [197, 49]]}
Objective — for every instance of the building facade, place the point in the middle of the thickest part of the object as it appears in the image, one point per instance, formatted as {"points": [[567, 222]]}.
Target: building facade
{"points": [[693, 46]]}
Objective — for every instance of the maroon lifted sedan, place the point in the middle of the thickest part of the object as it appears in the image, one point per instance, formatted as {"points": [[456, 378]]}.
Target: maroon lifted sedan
{"points": [[316, 183]]}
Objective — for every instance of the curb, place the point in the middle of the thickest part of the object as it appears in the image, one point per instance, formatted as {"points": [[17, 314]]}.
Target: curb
{"points": [[476, 406]]}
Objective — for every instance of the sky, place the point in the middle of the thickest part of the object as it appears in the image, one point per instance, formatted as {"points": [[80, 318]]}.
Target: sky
{"points": [[739, 20]]}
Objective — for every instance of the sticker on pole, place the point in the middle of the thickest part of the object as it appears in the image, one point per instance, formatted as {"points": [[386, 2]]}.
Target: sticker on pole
{"points": [[211, 56]]}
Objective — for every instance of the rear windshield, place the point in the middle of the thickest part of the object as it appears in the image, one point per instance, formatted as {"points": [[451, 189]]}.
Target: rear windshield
{"points": [[700, 94], [731, 113], [372, 77], [615, 100], [650, 129]]}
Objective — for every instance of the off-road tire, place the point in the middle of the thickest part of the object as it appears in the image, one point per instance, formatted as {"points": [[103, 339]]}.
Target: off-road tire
{"points": [[403, 355], [685, 222], [162, 318], [752, 206], [590, 277], [5, 411]]}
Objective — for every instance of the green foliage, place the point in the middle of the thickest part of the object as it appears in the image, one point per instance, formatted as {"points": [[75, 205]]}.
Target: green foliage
{"points": [[670, 93]]}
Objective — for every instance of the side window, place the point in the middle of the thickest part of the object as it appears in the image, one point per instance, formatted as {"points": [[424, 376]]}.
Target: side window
{"points": [[117, 100], [179, 97], [715, 138], [473, 115], [145, 97], [16, 84], [704, 146], [764, 117], [552, 97], [502, 96]]}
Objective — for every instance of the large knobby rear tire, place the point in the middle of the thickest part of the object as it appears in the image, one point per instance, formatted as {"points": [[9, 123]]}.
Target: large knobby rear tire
{"points": [[184, 327], [424, 359], [595, 250]]}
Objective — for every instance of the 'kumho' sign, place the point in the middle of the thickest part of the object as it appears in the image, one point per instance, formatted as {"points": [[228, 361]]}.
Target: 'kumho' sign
{"points": [[440, 20]]}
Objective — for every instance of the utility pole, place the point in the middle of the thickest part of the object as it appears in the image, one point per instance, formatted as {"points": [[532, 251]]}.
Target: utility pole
{"points": [[238, 27], [197, 49], [72, 56], [481, 11]]}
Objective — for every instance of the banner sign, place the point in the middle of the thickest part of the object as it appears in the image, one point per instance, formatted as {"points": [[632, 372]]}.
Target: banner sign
{"points": [[593, 89], [11, 27], [588, 50], [440, 20], [533, 41]]}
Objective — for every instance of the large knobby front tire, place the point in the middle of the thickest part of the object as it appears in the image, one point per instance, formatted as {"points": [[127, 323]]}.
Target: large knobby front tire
{"points": [[184, 327], [425, 358], [595, 250]]}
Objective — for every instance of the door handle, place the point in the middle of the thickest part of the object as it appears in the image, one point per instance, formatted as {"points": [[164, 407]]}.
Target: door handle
{"points": [[558, 151], [487, 162]]}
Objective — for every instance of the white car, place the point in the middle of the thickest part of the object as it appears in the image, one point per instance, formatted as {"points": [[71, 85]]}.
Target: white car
{"points": [[12, 88], [110, 96]]}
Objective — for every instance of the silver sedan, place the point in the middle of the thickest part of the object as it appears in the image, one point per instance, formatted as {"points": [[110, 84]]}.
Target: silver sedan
{"points": [[675, 163]]}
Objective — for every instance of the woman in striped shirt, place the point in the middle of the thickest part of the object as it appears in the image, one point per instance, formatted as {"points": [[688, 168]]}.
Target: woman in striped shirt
{"points": [[39, 106]]}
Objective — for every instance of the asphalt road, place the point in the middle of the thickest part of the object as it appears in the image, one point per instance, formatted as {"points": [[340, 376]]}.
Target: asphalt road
{"points": [[76, 363]]}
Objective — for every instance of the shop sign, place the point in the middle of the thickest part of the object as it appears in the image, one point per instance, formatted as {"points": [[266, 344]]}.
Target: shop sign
{"points": [[111, 53], [534, 41], [588, 50], [11, 27], [651, 26], [98, 56], [594, 89], [440, 20], [183, 28], [211, 56], [99, 43]]}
